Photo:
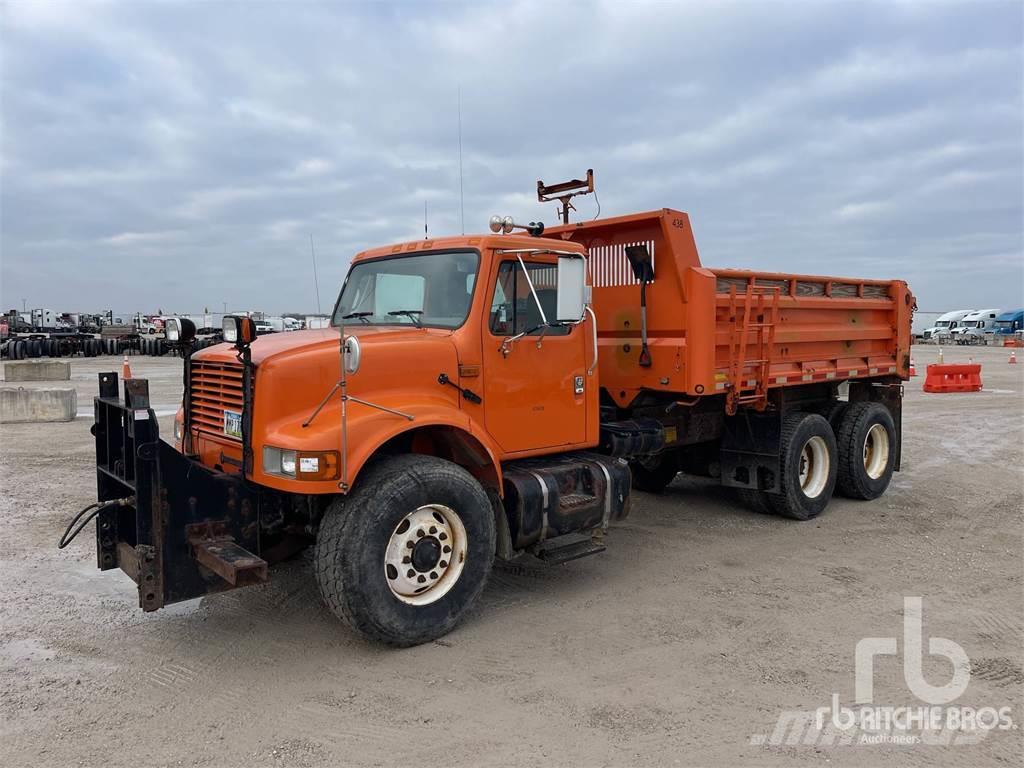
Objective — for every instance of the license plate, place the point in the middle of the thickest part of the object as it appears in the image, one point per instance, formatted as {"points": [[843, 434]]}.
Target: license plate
{"points": [[233, 424]]}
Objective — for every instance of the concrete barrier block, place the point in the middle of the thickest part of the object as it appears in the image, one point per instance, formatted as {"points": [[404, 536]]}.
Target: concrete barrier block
{"points": [[19, 405], [38, 370]]}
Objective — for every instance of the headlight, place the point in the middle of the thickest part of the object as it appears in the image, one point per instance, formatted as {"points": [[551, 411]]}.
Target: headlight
{"points": [[278, 461], [179, 329], [230, 327], [311, 465]]}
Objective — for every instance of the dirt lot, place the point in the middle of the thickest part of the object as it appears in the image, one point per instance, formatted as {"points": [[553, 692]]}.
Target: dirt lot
{"points": [[683, 644]]}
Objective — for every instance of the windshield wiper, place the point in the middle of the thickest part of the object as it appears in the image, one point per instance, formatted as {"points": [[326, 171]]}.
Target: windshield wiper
{"points": [[361, 315], [410, 313]]}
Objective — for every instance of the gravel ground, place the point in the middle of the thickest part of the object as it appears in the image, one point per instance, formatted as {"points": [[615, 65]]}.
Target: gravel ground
{"points": [[683, 644]]}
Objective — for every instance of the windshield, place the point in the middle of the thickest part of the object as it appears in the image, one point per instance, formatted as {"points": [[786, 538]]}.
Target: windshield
{"points": [[428, 289], [942, 324]]}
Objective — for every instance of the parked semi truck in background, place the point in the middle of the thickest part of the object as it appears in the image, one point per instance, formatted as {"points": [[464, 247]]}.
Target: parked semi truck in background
{"points": [[493, 396], [945, 324], [974, 326], [1009, 323]]}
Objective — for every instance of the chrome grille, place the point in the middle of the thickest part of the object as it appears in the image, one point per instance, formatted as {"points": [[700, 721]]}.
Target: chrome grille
{"points": [[214, 388]]}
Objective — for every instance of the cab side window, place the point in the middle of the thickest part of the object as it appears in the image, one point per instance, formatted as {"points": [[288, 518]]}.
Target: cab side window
{"points": [[513, 309]]}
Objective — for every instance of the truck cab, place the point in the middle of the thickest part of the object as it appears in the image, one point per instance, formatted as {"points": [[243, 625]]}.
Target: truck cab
{"points": [[1009, 323], [974, 326]]}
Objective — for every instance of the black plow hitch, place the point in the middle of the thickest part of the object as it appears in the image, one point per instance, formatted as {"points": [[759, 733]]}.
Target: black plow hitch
{"points": [[177, 528]]}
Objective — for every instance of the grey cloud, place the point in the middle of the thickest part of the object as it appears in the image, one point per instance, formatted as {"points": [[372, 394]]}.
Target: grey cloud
{"points": [[178, 155]]}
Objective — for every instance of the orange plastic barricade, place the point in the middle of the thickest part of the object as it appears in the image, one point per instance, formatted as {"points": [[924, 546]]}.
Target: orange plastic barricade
{"points": [[953, 377]]}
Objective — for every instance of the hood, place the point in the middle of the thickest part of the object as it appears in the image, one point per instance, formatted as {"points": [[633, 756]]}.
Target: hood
{"points": [[281, 344]]}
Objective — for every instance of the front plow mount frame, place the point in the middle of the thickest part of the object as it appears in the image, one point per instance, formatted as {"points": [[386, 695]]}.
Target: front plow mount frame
{"points": [[191, 531]]}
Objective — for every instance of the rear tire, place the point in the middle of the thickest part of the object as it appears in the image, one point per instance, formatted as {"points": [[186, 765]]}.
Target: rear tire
{"points": [[654, 474], [807, 467], [362, 543], [867, 451]]}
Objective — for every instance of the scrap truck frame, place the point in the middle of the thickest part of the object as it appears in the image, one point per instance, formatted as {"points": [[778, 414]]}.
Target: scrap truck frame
{"points": [[492, 438]]}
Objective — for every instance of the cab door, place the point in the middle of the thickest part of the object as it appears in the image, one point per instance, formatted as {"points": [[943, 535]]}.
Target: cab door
{"points": [[535, 387]]}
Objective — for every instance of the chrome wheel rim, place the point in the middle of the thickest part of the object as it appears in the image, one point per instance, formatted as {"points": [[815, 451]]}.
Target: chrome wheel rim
{"points": [[876, 451], [814, 467], [425, 554]]}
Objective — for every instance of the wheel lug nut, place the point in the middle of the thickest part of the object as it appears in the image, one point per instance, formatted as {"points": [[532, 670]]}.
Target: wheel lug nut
{"points": [[421, 578], [406, 560], [410, 544], [446, 549], [433, 529], [443, 564], [443, 536], [420, 534], [410, 573], [433, 574]]}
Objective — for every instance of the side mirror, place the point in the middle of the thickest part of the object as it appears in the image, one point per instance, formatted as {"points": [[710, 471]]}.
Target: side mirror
{"points": [[239, 330], [353, 354], [179, 329], [572, 285]]}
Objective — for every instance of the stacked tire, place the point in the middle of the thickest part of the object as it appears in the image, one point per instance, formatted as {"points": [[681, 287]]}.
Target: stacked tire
{"points": [[21, 349]]}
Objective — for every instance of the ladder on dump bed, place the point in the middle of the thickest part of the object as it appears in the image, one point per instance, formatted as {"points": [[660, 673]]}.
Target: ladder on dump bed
{"points": [[757, 312]]}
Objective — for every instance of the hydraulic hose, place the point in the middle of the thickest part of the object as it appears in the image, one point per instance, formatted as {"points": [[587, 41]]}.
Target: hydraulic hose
{"points": [[89, 513]]}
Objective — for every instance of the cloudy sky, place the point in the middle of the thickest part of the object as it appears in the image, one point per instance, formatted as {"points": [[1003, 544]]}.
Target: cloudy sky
{"points": [[179, 155]]}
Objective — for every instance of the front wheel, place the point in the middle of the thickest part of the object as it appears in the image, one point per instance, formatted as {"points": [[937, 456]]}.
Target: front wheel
{"points": [[807, 467], [405, 556]]}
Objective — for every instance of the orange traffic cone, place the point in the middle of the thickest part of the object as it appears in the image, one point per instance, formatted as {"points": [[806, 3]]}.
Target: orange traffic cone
{"points": [[1013, 357], [912, 371], [126, 370]]}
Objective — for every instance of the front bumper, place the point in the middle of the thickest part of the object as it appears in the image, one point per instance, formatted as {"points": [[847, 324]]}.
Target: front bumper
{"points": [[189, 531]]}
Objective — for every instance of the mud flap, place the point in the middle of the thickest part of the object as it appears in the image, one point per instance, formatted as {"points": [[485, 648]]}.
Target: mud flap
{"points": [[190, 531]]}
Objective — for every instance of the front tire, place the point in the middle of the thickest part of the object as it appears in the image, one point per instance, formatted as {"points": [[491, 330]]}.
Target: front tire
{"points": [[807, 467], [406, 555], [867, 451]]}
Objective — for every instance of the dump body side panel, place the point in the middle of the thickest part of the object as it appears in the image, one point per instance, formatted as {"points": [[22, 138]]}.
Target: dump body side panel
{"points": [[734, 332], [819, 328]]}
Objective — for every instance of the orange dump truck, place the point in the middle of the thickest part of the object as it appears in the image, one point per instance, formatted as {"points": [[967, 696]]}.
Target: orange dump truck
{"points": [[496, 395]]}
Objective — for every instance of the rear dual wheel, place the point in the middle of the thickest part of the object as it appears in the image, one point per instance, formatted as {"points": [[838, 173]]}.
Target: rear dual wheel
{"points": [[405, 556], [855, 456], [807, 467], [867, 450]]}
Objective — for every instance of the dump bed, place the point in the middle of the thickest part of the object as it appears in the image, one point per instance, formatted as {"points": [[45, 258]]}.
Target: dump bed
{"points": [[734, 332]]}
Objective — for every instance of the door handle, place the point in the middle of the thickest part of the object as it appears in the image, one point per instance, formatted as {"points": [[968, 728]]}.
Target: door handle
{"points": [[593, 319]]}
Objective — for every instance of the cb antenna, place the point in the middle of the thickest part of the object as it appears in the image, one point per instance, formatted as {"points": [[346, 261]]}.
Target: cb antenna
{"points": [[565, 191], [316, 281], [462, 199]]}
